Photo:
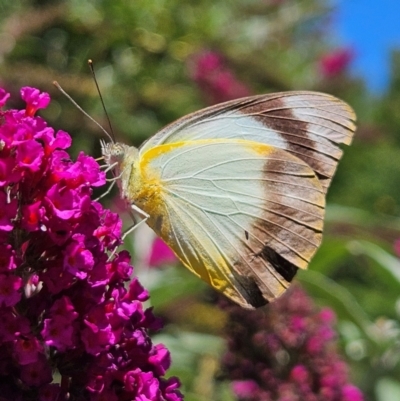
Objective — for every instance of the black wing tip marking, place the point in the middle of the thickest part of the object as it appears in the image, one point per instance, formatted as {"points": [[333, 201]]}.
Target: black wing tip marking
{"points": [[250, 291], [247, 285], [285, 268]]}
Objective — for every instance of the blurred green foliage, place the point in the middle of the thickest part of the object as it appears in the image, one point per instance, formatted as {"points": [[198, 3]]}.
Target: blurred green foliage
{"points": [[144, 52]]}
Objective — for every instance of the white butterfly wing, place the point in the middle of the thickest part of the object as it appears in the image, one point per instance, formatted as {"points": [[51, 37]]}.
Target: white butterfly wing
{"points": [[309, 125], [241, 215]]}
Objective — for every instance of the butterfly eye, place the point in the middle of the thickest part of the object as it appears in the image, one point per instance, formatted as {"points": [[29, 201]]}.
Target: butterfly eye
{"points": [[117, 151]]}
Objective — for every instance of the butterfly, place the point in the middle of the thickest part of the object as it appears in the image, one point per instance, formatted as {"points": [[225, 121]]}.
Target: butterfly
{"points": [[237, 190]]}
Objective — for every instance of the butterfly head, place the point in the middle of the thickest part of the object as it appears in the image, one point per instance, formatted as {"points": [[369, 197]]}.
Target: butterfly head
{"points": [[121, 159], [113, 152]]}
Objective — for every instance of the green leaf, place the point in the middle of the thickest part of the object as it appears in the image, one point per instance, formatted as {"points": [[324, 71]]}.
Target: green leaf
{"points": [[331, 254], [384, 259]]}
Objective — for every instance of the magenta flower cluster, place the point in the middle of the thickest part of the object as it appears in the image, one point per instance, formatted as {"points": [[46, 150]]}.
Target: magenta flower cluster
{"points": [[335, 62], [216, 80], [286, 352], [70, 327]]}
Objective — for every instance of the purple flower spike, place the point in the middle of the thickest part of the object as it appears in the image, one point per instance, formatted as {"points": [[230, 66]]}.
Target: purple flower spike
{"points": [[71, 329], [286, 352]]}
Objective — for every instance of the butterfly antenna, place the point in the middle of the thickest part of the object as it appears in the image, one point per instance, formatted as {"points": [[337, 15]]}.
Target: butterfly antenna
{"points": [[90, 62], [58, 86]]}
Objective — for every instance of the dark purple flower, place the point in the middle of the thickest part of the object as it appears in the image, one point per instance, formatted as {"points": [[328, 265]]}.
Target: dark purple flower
{"points": [[7, 258], [7, 212], [50, 392], [12, 326], [37, 373], [143, 383], [27, 349], [64, 306], [58, 330], [286, 352], [33, 214], [137, 291], [10, 286], [160, 359], [78, 260]]}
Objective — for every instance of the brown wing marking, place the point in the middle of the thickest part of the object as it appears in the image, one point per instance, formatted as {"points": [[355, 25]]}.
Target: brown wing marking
{"points": [[318, 149], [288, 233]]}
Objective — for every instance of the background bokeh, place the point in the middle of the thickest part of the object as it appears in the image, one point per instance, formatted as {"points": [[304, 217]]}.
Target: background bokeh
{"points": [[158, 60]]}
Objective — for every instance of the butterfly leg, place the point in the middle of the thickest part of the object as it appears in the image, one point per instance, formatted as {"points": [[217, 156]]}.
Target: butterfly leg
{"points": [[109, 167], [142, 214], [113, 181], [110, 187]]}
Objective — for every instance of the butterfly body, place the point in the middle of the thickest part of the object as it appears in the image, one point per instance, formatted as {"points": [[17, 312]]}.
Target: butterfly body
{"points": [[238, 190]]}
